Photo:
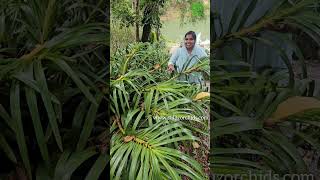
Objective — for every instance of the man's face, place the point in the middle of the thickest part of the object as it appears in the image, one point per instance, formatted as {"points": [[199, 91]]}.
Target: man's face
{"points": [[189, 41]]}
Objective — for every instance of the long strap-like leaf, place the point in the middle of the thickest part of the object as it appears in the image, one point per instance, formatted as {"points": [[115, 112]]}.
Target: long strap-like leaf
{"points": [[16, 116], [39, 74]]}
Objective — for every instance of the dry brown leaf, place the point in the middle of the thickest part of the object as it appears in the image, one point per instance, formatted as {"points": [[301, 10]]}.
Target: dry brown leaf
{"points": [[157, 66], [142, 106], [195, 145], [128, 138], [201, 95], [291, 106]]}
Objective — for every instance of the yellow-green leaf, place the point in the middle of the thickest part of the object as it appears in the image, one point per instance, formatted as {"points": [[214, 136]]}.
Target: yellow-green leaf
{"points": [[201, 95], [292, 106]]}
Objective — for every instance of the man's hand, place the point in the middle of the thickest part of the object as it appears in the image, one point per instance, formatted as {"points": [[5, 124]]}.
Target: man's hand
{"points": [[170, 68]]}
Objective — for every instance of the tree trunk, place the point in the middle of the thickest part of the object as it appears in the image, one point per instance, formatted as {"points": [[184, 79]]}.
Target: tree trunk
{"points": [[137, 20], [158, 23], [158, 33], [146, 33], [151, 10], [147, 22]]}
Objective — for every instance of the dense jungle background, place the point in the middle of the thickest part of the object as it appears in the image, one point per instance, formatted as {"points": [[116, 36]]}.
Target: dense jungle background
{"points": [[53, 82], [57, 90], [265, 89]]}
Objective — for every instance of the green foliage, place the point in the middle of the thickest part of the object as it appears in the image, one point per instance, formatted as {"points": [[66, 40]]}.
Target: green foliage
{"points": [[192, 11], [243, 100], [197, 9], [143, 98], [148, 12], [120, 36], [122, 12], [52, 67]]}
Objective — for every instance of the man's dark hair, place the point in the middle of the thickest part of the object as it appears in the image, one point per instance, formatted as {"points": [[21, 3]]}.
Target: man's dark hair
{"points": [[194, 36]]}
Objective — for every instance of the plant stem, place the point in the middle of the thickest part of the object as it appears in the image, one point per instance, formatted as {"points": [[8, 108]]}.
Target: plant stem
{"points": [[33, 53], [263, 23]]}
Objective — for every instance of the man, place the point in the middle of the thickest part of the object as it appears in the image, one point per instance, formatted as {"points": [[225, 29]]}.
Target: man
{"points": [[187, 56]]}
